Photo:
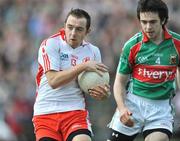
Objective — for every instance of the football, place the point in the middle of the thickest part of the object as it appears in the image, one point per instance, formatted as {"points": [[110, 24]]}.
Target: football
{"points": [[88, 80]]}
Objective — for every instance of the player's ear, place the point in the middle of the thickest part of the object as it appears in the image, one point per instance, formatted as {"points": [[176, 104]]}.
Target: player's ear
{"points": [[163, 22], [88, 31]]}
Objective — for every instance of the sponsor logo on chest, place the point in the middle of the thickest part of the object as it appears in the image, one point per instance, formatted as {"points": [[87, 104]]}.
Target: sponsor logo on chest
{"points": [[64, 56], [155, 74]]}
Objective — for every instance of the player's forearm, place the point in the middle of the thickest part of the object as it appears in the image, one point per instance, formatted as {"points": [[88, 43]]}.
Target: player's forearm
{"points": [[119, 95], [178, 78], [120, 90], [57, 79]]}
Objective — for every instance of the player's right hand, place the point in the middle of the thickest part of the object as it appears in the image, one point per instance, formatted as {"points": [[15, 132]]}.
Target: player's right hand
{"points": [[96, 67], [126, 118]]}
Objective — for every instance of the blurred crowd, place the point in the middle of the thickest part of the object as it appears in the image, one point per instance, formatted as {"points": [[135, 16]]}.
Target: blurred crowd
{"points": [[23, 26]]}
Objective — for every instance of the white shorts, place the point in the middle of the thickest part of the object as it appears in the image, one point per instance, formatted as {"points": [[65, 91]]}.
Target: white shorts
{"points": [[147, 114]]}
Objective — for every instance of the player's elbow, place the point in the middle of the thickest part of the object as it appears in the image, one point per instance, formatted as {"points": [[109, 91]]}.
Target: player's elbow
{"points": [[52, 84], [52, 80]]}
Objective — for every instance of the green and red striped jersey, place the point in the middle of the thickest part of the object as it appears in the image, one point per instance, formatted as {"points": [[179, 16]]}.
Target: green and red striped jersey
{"points": [[152, 67]]}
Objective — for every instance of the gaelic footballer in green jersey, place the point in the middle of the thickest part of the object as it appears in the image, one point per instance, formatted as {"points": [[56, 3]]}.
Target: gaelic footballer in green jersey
{"points": [[150, 62], [153, 67]]}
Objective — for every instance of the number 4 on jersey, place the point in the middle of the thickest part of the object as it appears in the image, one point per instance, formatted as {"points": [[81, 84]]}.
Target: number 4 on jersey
{"points": [[158, 61]]}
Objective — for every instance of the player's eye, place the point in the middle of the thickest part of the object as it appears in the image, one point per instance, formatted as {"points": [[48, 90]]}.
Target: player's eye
{"points": [[80, 29], [144, 22], [153, 22], [70, 27]]}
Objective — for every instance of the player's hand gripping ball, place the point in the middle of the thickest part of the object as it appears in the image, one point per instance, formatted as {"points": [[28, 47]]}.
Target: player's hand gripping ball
{"points": [[88, 80]]}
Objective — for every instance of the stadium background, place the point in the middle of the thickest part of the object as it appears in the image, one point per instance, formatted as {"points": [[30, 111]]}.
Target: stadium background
{"points": [[25, 23]]}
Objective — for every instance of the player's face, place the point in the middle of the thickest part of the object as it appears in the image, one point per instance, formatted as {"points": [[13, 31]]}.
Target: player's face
{"points": [[151, 25], [75, 30]]}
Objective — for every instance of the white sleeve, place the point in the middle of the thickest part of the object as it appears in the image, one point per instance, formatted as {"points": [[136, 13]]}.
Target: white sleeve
{"points": [[48, 56], [97, 54]]}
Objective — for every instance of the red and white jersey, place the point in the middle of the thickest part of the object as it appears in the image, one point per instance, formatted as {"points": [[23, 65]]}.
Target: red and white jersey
{"points": [[56, 54]]}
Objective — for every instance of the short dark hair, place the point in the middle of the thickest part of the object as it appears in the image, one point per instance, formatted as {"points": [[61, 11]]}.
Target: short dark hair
{"points": [[80, 13], [157, 6]]}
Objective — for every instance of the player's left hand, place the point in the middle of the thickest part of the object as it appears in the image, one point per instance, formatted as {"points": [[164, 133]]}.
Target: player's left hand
{"points": [[100, 92]]}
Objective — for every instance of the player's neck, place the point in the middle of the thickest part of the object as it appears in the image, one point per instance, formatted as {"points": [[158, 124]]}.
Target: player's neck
{"points": [[159, 38]]}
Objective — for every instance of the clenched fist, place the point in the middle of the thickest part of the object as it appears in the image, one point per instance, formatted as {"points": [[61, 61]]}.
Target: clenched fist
{"points": [[126, 119]]}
